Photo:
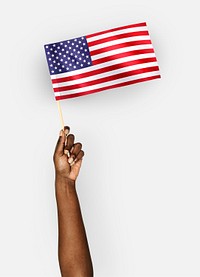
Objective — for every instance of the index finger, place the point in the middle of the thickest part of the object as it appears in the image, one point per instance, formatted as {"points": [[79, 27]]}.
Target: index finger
{"points": [[66, 130]]}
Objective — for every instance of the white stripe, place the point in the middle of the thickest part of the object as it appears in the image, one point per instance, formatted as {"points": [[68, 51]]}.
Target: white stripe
{"points": [[102, 85], [118, 41], [114, 33], [106, 74], [122, 50], [99, 66]]}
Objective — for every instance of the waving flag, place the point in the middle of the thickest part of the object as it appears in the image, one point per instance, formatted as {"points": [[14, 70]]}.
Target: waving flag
{"points": [[104, 60]]}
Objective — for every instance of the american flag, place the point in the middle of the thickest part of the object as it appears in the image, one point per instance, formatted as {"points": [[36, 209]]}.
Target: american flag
{"points": [[101, 61]]}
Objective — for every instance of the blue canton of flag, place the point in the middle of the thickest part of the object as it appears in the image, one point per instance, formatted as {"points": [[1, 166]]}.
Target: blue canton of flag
{"points": [[68, 55]]}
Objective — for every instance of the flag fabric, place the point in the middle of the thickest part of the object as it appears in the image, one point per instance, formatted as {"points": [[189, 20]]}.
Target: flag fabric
{"points": [[113, 58]]}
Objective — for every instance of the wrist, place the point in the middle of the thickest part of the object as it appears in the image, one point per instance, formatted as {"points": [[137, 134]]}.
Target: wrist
{"points": [[64, 183], [64, 179]]}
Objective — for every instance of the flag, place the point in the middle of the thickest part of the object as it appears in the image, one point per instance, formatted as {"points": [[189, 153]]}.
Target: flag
{"points": [[105, 60]]}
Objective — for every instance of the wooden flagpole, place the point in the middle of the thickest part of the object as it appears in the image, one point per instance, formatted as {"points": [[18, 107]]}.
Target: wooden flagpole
{"points": [[60, 113]]}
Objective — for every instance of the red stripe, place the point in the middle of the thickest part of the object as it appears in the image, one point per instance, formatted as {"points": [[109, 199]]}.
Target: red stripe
{"points": [[103, 70], [117, 46], [107, 79], [122, 55], [120, 36], [106, 88], [117, 29]]}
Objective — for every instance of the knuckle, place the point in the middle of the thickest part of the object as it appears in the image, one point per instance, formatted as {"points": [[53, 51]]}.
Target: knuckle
{"points": [[71, 136], [79, 144]]}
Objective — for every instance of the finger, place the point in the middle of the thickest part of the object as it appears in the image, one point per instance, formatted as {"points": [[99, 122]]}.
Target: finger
{"points": [[60, 144], [69, 144], [66, 130], [78, 163], [78, 158], [76, 148], [75, 151]]}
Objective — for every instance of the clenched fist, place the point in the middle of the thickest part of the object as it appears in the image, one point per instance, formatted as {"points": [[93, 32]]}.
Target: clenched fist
{"points": [[67, 156]]}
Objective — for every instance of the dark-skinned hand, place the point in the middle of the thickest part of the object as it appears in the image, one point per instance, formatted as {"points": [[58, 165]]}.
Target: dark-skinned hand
{"points": [[68, 155]]}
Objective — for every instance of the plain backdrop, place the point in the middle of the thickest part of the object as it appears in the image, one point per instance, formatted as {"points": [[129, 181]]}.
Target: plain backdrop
{"points": [[139, 185]]}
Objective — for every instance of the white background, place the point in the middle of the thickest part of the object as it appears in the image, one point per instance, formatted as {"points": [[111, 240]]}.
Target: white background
{"points": [[139, 184]]}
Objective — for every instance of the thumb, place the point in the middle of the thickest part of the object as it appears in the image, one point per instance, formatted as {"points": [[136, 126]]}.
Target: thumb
{"points": [[59, 150]]}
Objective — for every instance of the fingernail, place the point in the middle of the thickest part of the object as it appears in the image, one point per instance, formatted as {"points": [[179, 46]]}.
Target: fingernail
{"points": [[72, 149], [70, 160], [72, 163], [67, 153], [66, 132]]}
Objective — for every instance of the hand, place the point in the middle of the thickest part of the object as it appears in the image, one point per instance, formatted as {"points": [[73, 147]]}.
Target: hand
{"points": [[67, 156]]}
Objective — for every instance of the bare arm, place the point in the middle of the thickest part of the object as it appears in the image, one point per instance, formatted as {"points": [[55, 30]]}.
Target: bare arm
{"points": [[73, 249]]}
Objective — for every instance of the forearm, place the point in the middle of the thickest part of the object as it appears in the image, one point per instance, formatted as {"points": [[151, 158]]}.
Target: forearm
{"points": [[73, 250]]}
